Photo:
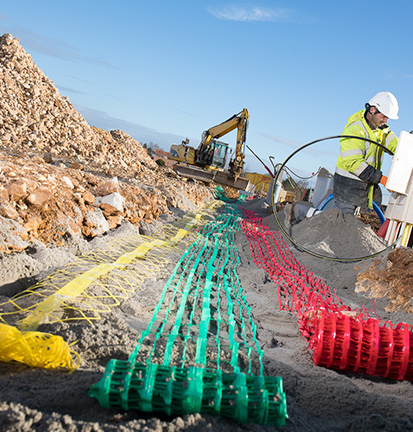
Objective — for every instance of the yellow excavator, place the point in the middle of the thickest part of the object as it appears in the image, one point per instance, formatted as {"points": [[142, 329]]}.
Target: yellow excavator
{"points": [[209, 161]]}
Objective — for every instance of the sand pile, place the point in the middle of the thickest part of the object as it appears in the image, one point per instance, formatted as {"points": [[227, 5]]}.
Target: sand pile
{"points": [[333, 234]]}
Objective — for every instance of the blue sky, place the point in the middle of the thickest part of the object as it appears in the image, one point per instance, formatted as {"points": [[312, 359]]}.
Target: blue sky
{"points": [[163, 71]]}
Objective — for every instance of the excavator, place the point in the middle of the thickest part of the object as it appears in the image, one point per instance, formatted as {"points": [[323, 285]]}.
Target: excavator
{"points": [[208, 162]]}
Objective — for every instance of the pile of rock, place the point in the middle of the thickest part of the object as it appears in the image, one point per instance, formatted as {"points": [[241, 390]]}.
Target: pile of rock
{"points": [[61, 177]]}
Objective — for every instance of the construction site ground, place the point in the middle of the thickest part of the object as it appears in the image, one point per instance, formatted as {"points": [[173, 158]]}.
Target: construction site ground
{"points": [[72, 196], [317, 398]]}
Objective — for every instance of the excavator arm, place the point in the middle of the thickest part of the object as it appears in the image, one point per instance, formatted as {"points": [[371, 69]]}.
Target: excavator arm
{"points": [[207, 162], [239, 121]]}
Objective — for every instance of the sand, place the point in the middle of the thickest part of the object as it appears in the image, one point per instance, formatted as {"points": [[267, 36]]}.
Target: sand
{"points": [[318, 399]]}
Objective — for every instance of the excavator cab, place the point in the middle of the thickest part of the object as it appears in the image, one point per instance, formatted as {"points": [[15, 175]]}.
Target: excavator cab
{"points": [[220, 155], [214, 155]]}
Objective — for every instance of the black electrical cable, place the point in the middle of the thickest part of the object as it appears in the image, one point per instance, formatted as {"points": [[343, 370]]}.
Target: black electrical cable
{"points": [[302, 178], [283, 228]]}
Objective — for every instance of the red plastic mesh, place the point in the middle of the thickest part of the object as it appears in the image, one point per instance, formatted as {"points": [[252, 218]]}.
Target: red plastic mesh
{"points": [[340, 338]]}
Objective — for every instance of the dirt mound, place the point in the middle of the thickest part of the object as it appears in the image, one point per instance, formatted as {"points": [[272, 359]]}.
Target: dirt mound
{"points": [[392, 279], [61, 177]]}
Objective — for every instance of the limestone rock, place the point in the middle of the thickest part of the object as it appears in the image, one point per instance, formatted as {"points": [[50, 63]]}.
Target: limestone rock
{"points": [[108, 187], [96, 223], [13, 237], [7, 210]]}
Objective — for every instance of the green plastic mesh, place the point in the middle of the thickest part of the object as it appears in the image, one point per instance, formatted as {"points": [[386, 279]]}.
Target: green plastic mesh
{"points": [[199, 353], [221, 195]]}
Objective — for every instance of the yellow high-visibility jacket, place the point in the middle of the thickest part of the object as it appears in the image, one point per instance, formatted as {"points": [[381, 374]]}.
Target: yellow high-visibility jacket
{"points": [[359, 161]]}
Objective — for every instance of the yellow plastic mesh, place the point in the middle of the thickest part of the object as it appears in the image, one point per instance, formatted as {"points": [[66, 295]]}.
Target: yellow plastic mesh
{"points": [[94, 283], [36, 349]]}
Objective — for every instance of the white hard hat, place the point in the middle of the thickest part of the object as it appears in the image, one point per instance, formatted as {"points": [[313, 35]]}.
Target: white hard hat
{"points": [[386, 103]]}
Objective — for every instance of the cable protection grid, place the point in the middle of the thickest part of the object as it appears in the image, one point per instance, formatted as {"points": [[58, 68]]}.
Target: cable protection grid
{"points": [[340, 338], [200, 351], [96, 282]]}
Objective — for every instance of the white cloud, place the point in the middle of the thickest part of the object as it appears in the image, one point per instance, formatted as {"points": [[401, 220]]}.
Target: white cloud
{"points": [[281, 140], [321, 149], [237, 13]]}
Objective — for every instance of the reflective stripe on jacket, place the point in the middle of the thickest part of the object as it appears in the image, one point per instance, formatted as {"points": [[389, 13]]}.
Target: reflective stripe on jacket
{"points": [[356, 154]]}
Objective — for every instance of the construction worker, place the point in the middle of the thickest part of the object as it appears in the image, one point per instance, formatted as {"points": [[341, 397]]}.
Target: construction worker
{"points": [[358, 169]]}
